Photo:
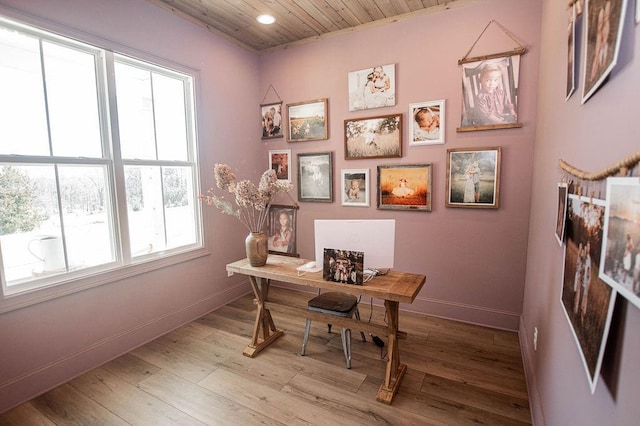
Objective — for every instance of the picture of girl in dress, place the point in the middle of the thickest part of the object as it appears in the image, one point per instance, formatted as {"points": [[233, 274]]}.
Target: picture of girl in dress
{"points": [[281, 230]]}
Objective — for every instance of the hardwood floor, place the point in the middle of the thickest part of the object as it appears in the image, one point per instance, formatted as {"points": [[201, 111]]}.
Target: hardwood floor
{"points": [[457, 374]]}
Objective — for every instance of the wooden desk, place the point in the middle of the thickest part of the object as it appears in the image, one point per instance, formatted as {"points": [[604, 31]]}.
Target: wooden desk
{"points": [[393, 288]]}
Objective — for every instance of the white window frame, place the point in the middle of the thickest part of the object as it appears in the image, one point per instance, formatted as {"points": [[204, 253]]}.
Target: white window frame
{"points": [[124, 266]]}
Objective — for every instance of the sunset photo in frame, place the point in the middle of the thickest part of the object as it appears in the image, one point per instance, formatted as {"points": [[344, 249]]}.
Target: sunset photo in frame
{"points": [[281, 230], [373, 137], [489, 94], [426, 123], [373, 87], [473, 178], [355, 187], [308, 121], [315, 177], [280, 161], [271, 120], [405, 187]]}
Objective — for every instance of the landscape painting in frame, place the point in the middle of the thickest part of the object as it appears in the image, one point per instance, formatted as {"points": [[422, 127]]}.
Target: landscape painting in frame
{"points": [[604, 22], [280, 161], [586, 299], [355, 187], [315, 177], [281, 230], [373, 137], [473, 178], [271, 120], [343, 266], [620, 263], [427, 123], [372, 87], [490, 94], [562, 212], [308, 121], [404, 187]]}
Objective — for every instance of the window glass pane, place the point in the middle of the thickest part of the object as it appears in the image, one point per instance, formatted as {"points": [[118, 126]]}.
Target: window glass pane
{"points": [[23, 121], [73, 103], [179, 206], [30, 232], [171, 131], [144, 207], [135, 112], [86, 216]]}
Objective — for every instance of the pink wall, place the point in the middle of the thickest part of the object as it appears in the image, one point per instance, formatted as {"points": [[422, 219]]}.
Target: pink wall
{"points": [[474, 260], [591, 137], [48, 343]]}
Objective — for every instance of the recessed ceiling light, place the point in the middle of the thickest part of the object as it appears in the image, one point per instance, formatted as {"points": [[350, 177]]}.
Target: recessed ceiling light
{"points": [[266, 19]]}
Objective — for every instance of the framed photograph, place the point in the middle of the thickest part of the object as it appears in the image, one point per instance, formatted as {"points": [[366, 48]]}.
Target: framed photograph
{"points": [[427, 123], [315, 177], [355, 187], [373, 87], [473, 178], [489, 94], [571, 53], [405, 187], [308, 121], [587, 300], [343, 266], [620, 262], [373, 137], [281, 229], [280, 161], [604, 22], [271, 116], [562, 211]]}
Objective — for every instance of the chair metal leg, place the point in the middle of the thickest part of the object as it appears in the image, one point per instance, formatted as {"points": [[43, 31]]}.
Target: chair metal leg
{"points": [[357, 314], [345, 333], [307, 328]]}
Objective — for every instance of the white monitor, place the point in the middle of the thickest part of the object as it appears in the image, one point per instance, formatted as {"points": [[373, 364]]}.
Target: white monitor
{"points": [[376, 238]]}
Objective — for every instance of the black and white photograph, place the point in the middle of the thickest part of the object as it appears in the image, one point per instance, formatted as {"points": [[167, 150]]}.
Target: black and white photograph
{"points": [[355, 187], [315, 177], [587, 300], [427, 123], [489, 92], [620, 263], [372, 87], [604, 22], [281, 229], [343, 266]]}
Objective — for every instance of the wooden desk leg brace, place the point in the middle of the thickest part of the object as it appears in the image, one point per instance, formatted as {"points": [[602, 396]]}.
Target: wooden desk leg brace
{"points": [[395, 370], [264, 329]]}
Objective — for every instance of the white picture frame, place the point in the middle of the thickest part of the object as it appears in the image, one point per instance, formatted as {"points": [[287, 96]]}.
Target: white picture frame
{"points": [[280, 161], [354, 187], [427, 123]]}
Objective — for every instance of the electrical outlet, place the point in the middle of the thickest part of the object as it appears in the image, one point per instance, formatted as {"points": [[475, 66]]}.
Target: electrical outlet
{"points": [[535, 338]]}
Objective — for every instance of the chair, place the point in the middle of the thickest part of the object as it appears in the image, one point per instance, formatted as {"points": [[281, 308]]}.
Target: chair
{"points": [[340, 305]]}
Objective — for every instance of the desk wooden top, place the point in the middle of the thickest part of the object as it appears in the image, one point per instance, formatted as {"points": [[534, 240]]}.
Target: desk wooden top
{"points": [[395, 286]]}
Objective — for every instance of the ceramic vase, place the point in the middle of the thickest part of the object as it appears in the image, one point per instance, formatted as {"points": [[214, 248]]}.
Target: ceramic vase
{"points": [[257, 249]]}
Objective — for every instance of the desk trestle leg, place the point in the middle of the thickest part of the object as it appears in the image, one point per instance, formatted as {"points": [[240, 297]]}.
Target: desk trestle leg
{"points": [[264, 329], [395, 371]]}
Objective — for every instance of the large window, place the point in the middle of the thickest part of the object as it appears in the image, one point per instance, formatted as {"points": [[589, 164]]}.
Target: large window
{"points": [[97, 160]]}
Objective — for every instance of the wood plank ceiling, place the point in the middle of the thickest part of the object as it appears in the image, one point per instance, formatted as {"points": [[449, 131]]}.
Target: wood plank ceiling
{"points": [[297, 21]]}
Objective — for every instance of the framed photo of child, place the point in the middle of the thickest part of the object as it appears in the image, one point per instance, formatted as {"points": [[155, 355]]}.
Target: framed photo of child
{"points": [[355, 187], [271, 117], [405, 187], [473, 178], [489, 92], [373, 137], [427, 123], [281, 230]]}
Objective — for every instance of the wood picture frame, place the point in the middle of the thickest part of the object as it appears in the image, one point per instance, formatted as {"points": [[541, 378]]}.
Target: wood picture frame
{"points": [[561, 219], [280, 161], [282, 235], [373, 137], [405, 187], [487, 84], [308, 120], [373, 87], [473, 178], [354, 187], [271, 116], [315, 177], [427, 123]]}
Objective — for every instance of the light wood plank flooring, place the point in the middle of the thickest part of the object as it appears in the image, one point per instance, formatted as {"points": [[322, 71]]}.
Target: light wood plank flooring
{"points": [[457, 374]]}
